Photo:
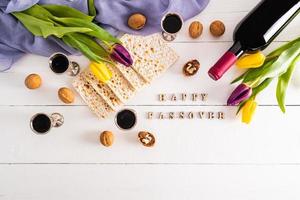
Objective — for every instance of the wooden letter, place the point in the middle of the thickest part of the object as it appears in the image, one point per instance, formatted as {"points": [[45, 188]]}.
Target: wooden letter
{"points": [[204, 96], [194, 96], [191, 115], [221, 115], [201, 115], [183, 96], [211, 115], [162, 97], [161, 116], [150, 115], [181, 115], [173, 98], [171, 115]]}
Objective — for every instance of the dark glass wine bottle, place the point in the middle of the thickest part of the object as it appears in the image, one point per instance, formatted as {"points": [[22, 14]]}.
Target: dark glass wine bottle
{"points": [[256, 31]]}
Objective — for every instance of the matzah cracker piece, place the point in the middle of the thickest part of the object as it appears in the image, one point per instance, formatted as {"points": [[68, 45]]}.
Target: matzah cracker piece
{"points": [[137, 81], [102, 89], [92, 99], [119, 85], [151, 55]]}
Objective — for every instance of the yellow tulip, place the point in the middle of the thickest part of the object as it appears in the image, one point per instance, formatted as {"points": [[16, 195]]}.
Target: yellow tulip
{"points": [[248, 111], [101, 71], [251, 60]]}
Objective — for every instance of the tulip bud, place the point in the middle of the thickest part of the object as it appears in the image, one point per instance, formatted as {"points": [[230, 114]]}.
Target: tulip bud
{"points": [[121, 55], [240, 94], [251, 61], [100, 71], [248, 111]]}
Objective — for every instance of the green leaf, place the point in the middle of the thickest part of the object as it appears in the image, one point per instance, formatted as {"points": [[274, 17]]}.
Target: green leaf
{"points": [[92, 9], [272, 68], [66, 11], [281, 65], [261, 87], [92, 44], [283, 82], [97, 32], [43, 28], [256, 91], [241, 106], [254, 74], [239, 78], [38, 12], [73, 42], [281, 49]]}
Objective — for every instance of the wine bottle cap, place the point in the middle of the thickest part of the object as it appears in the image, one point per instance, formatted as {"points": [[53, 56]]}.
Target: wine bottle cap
{"points": [[223, 64]]}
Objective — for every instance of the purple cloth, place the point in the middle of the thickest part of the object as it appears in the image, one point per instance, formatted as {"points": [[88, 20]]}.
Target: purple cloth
{"points": [[15, 40]]}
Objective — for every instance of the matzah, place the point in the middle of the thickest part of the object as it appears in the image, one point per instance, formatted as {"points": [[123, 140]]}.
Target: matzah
{"points": [[90, 96], [120, 85], [102, 89], [152, 56]]}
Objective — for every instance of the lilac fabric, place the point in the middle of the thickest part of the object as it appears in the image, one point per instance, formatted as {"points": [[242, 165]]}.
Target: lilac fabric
{"points": [[15, 40]]}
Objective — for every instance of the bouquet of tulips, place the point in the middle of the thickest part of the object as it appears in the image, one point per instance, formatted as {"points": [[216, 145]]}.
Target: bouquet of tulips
{"points": [[262, 70], [77, 30]]}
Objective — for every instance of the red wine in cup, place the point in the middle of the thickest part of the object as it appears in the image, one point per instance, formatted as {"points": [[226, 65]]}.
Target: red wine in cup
{"points": [[59, 63], [126, 119], [256, 31], [41, 123], [172, 23]]}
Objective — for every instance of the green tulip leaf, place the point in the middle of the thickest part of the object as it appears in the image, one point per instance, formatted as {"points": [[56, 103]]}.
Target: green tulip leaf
{"points": [[73, 42], [75, 28], [255, 73], [92, 9], [239, 78], [281, 49], [283, 82], [92, 44], [97, 32], [281, 65], [255, 92], [39, 12], [43, 28], [261, 87], [272, 68], [66, 11]]}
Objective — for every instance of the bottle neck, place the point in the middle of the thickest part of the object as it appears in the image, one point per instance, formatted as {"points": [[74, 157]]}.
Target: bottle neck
{"points": [[237, 49], [226, 61]]}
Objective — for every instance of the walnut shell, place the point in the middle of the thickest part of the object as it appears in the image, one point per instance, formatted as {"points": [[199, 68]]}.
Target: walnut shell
{"points": [[217, 28], [66, 95], [195, 29], [137, 21], [33, 81], [107, 138], [191, 67], [146, 138]]}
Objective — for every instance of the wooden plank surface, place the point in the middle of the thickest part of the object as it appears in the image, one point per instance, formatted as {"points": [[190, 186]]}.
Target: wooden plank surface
{"points": [[193, 158], [271, 138], [149, 182], [172, 82]]}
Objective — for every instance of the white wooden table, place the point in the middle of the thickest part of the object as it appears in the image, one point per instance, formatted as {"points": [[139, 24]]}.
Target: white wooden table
{"points": [[193, 159]]}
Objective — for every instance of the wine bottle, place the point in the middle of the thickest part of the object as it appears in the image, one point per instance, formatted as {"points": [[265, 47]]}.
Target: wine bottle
{"points": [[256, 31]]}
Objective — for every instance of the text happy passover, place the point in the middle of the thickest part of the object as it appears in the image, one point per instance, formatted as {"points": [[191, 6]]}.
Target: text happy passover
{"points": [[185, 114]]}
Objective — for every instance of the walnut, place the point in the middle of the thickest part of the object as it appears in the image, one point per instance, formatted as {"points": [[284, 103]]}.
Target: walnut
{"points": [[217, 28], [137, 21], [66, 95], [107, 138], [146, 138], [33, 81], [191, 67], [195, 29]]}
